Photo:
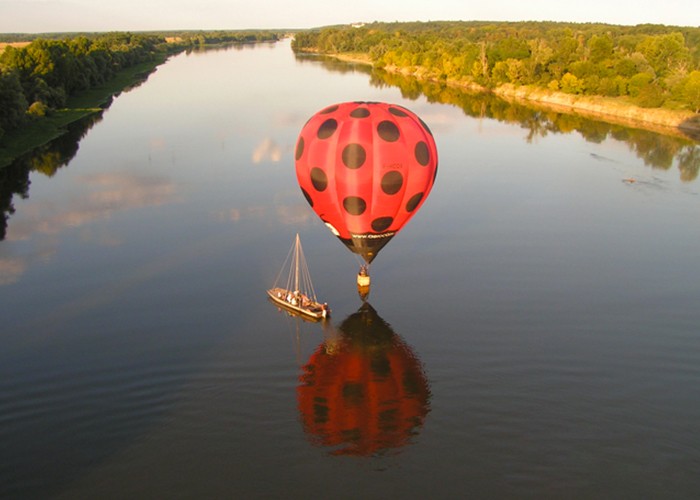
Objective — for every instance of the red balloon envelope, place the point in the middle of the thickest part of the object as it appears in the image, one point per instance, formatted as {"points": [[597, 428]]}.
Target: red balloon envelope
{"points": [[365, 168]]}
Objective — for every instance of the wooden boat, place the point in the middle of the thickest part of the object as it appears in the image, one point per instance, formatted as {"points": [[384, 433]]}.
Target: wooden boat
{"points": [[297, 295]]}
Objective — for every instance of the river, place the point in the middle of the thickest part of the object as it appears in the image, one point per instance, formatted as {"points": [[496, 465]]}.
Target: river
{"points": [[531, 332]]}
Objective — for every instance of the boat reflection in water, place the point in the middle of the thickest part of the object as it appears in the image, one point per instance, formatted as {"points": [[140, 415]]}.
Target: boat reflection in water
{"points": [[363, 391]]}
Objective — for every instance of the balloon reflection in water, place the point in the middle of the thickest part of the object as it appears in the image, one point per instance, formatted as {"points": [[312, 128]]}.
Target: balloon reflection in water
{"points": [[363, 392]]}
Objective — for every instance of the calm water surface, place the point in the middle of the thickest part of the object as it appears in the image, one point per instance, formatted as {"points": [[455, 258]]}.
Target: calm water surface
{"points": [[532, 332]]}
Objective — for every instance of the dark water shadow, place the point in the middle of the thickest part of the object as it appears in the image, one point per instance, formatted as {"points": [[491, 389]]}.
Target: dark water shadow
{"points": [[333, 64], [691, 127]]}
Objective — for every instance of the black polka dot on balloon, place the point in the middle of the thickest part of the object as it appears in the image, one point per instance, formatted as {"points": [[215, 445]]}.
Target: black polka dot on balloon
{"points": [[354, 155], [300, 148], [414, 202], [309, 200], [329, 109], [397, 112], [354, 205], [319, 179], [392, 182], [327, 128], [422, 153], [360, 113], [381, 224], [388, 131]]}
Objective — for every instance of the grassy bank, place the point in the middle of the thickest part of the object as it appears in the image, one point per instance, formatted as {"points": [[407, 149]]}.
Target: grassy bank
{"points": [[42, 130]]}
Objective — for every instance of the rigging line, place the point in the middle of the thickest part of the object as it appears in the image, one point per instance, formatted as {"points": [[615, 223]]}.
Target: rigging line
{"points": [[283, 267], [290, 274], [306, 275], [297, 254], [301, 266], [361, 262], [311, 284]]}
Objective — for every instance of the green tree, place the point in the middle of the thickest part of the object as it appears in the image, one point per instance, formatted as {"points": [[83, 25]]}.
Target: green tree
{"points": [[600, 48], [499, 73], [38, 109], [541, 55], [592, 59], [12, 101], [638, 82], [571, 84], [665, 53], [691, 91], [650, 96], [626, 67], [509, 48]]}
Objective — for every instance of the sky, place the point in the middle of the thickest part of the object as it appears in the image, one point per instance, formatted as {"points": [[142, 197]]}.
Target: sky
{"points": [[41, 16]]}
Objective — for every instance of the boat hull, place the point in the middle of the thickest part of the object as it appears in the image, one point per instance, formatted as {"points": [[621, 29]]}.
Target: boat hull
{"points": [[314, 310]]}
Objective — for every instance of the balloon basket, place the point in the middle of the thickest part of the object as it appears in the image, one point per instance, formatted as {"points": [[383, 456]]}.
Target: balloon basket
{"points": [[363, 280], [363, 283]]}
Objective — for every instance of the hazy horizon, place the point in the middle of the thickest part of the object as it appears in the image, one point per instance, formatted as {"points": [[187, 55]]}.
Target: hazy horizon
{"points": [[56, 16]]}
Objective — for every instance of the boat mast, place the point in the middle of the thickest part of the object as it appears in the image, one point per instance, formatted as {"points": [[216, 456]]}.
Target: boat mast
{"points": [[296, 260]]}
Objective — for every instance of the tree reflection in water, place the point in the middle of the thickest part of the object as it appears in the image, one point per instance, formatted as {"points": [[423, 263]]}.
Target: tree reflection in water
{"points": [[363, 391], [47, 159]]}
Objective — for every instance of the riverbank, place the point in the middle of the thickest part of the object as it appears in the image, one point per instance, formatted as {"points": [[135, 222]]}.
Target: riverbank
{"points": [[38, 132], [612, 110], [607, 109]]}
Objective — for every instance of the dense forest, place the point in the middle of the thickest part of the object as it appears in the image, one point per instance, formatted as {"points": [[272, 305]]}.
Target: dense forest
{"points": [[39, 77], [648, 65]]}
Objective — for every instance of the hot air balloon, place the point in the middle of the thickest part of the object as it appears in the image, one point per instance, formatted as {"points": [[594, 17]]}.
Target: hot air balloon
{"points": [[365, 168], [363, 392]]}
